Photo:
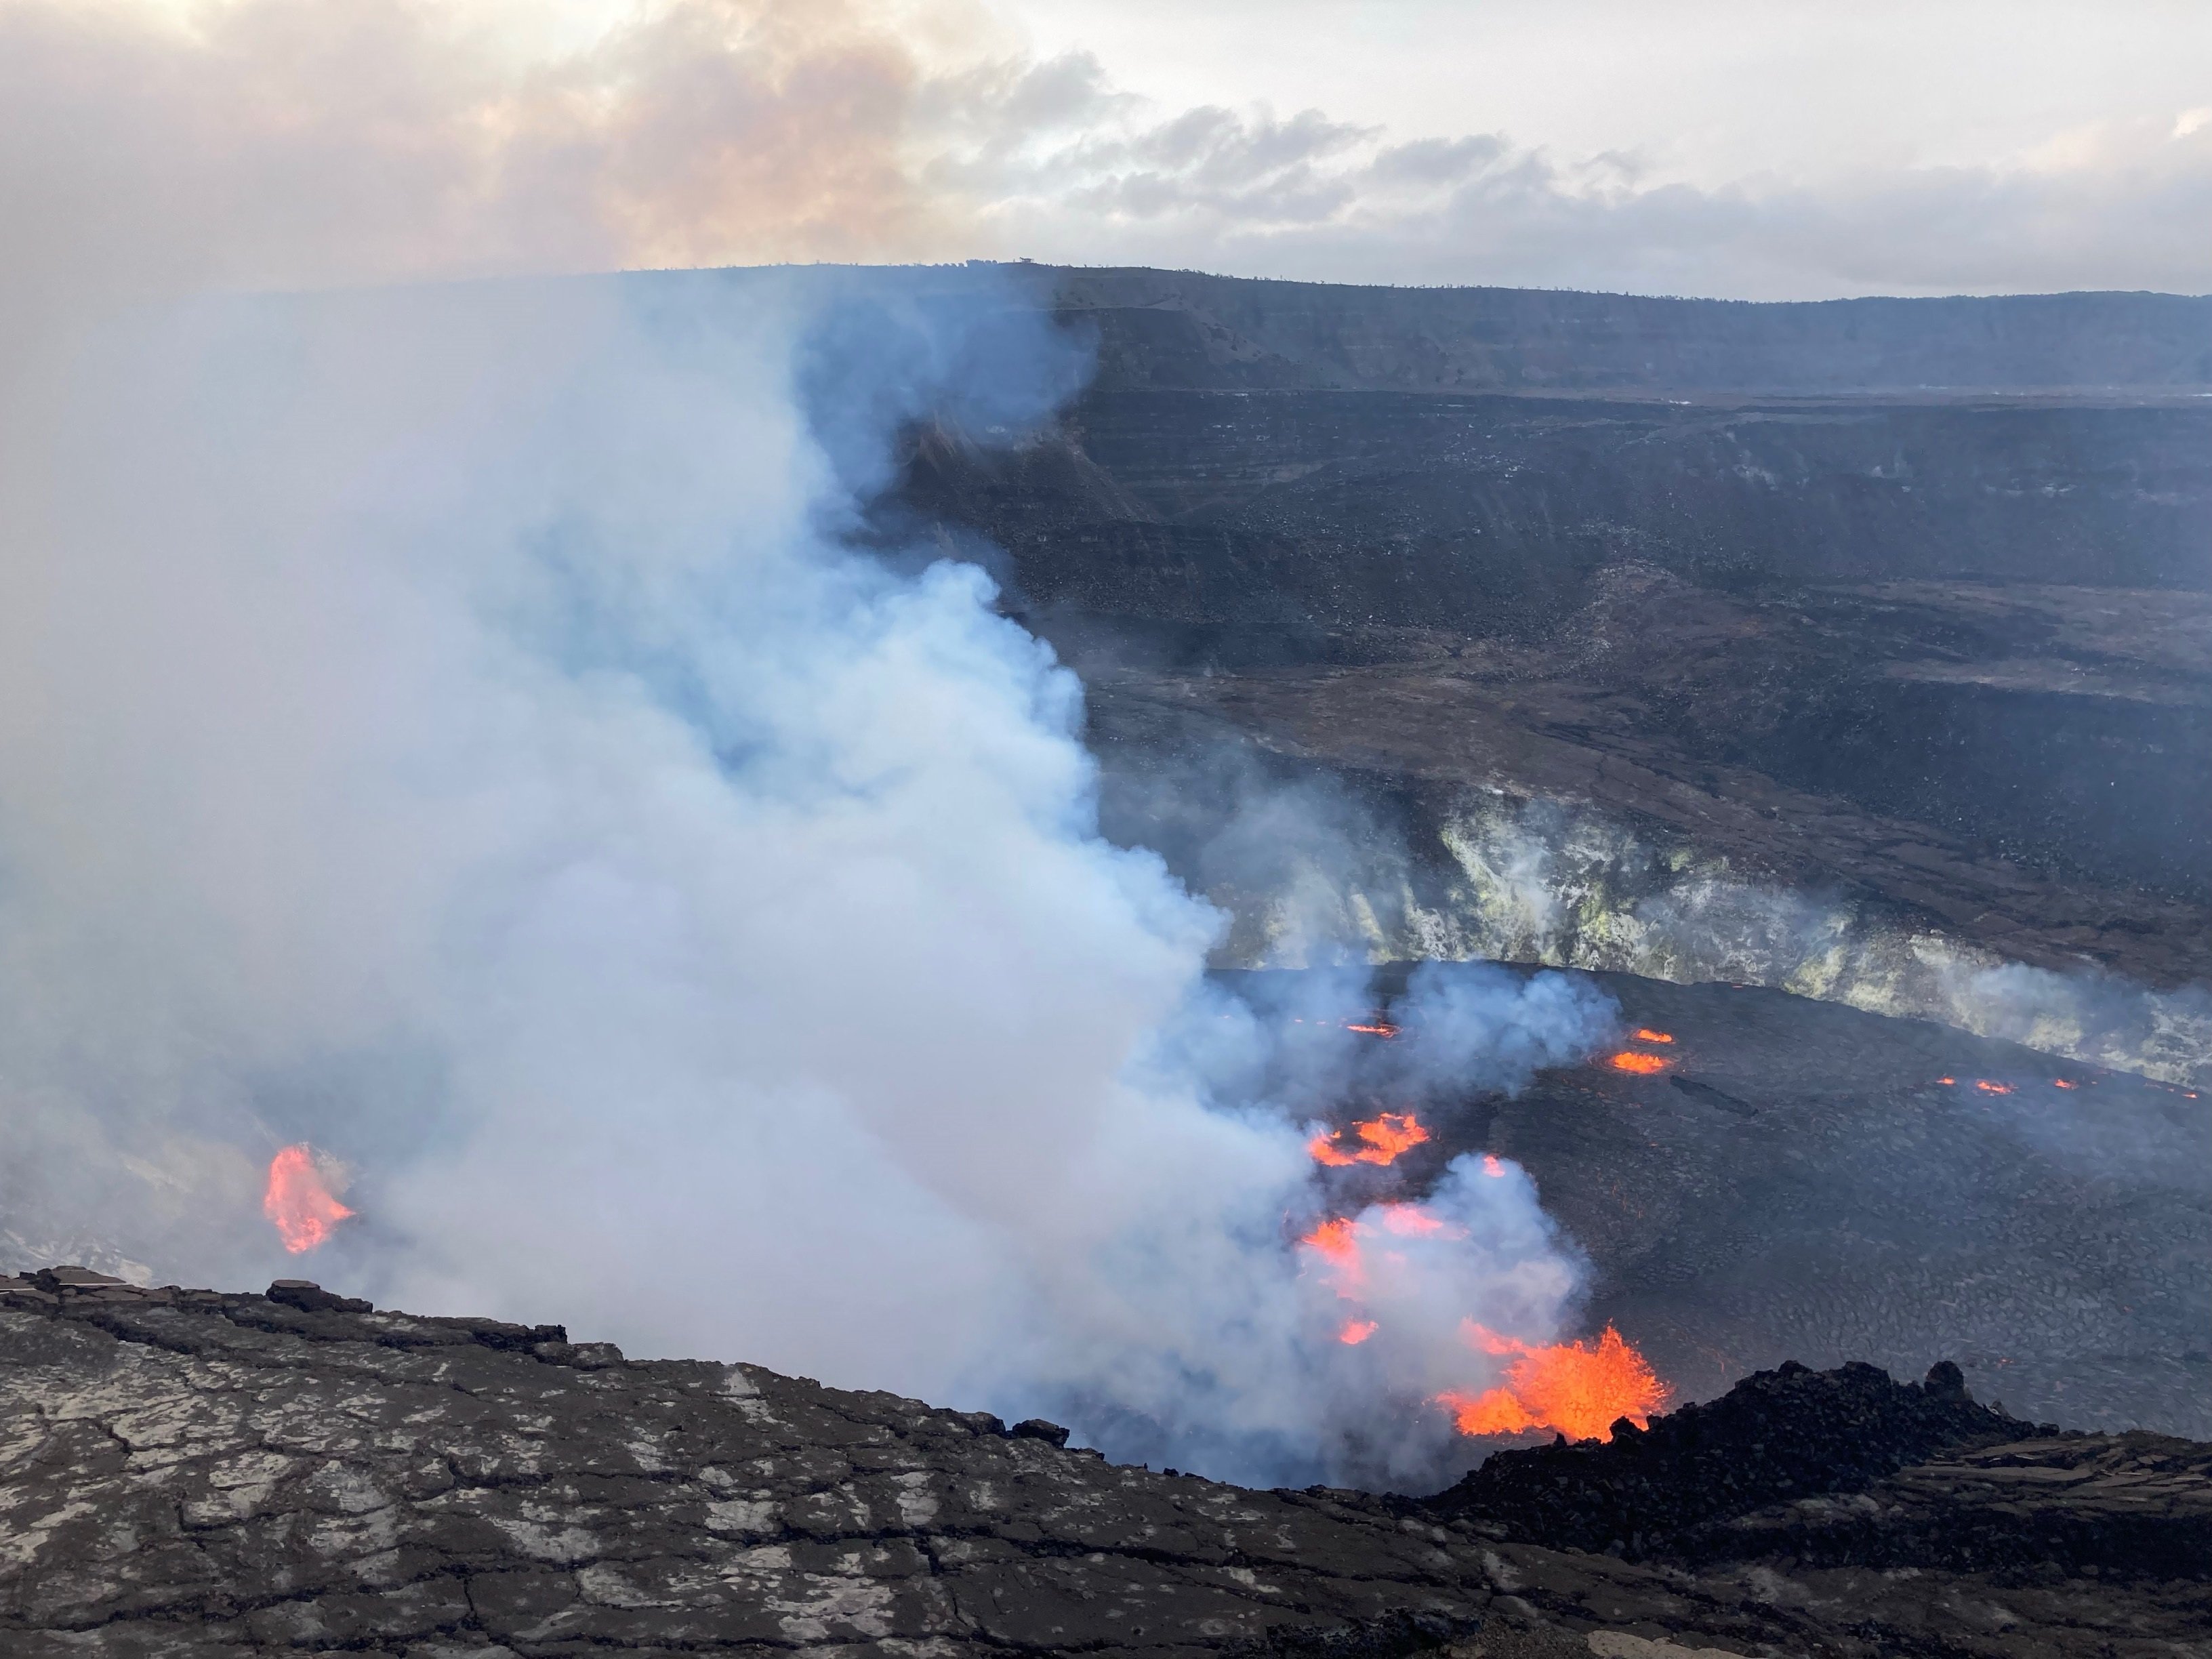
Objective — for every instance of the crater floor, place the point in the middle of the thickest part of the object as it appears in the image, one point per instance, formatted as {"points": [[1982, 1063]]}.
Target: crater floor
{"points": [[1799, 1182]]}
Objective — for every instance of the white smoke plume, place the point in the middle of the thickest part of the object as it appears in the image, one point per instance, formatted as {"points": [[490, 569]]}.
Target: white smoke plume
{"points": [[445, 726], [1457, 1028]]}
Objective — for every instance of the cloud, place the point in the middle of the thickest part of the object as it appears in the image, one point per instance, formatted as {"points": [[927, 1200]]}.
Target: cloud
{"points": [[288, 142], [305, 143], [1312, 199]]}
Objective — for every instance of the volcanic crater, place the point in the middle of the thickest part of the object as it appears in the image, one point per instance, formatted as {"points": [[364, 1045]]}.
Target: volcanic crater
{"points": [[1760, 611]]}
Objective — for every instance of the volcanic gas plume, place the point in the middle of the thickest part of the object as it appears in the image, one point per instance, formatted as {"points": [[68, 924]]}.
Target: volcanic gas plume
{"points": [[516, 778]]}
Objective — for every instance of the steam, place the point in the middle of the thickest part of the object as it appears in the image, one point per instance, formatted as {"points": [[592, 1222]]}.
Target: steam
{"points": [[1549, 882], [1461, 1028], [447, 727]]}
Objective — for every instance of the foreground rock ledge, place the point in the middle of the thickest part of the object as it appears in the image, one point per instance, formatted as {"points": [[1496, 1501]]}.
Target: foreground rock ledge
{"points": [[190, 1473]]}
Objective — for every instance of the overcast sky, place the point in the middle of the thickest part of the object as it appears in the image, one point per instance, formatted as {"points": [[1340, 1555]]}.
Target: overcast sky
{"points": [[1706, 90], [1758, 149]]}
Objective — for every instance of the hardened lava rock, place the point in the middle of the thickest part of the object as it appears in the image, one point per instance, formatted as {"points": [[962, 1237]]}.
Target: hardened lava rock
{"points": [[203, 1475], [1787, 1433]]}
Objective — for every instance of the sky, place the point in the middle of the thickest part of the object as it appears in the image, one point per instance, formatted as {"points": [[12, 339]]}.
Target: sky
{"points": [[1710, 92], [1751, 148]]}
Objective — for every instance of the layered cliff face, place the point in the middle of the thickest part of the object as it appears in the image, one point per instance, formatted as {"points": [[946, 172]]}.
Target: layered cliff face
{"points": [[1908, 603]]}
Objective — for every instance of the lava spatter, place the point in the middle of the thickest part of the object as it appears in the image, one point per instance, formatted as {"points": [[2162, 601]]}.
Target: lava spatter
{"points": [[299, 1201], [1379, 1140], [1578, 1388]]}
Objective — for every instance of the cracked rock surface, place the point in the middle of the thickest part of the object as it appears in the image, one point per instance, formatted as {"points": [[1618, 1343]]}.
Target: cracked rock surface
{"points": [[193, 1473]]}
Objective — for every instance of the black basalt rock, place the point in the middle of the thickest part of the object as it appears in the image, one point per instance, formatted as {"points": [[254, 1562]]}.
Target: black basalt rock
{"points": [[310, 1297], [1392, 1637], [1777, 1435], [709, 1508]]}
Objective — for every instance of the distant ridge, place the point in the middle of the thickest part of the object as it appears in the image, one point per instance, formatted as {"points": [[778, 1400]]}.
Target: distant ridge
{"points": [[1175, 328], [1187, 331]]}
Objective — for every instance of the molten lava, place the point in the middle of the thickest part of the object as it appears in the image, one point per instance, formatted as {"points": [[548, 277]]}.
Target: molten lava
{"points": [[1578, 1388], [1335, 1242], [1378, 1027], [298, 1199], [1385, 1137], [1411, 1221], [1990, 1088], [1645, 1034], [1628, 1061]]}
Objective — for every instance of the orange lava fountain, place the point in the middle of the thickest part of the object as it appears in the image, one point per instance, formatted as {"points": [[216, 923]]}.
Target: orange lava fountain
{"points": [[299, 1201], [1385, 1137], [1579, 1389]]}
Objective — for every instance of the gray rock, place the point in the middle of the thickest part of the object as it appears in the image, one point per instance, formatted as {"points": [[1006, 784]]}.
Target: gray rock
{"points": [[187, 1472]]}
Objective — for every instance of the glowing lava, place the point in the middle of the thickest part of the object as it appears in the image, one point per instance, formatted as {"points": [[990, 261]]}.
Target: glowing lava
{"points": [[1628, 1061], [1990, 1088], [1411, 1221], [1335, 1242], [298, 1199], [1647, 1035], [1385, 1137], [1378, 1027], [1578, 1388]]}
